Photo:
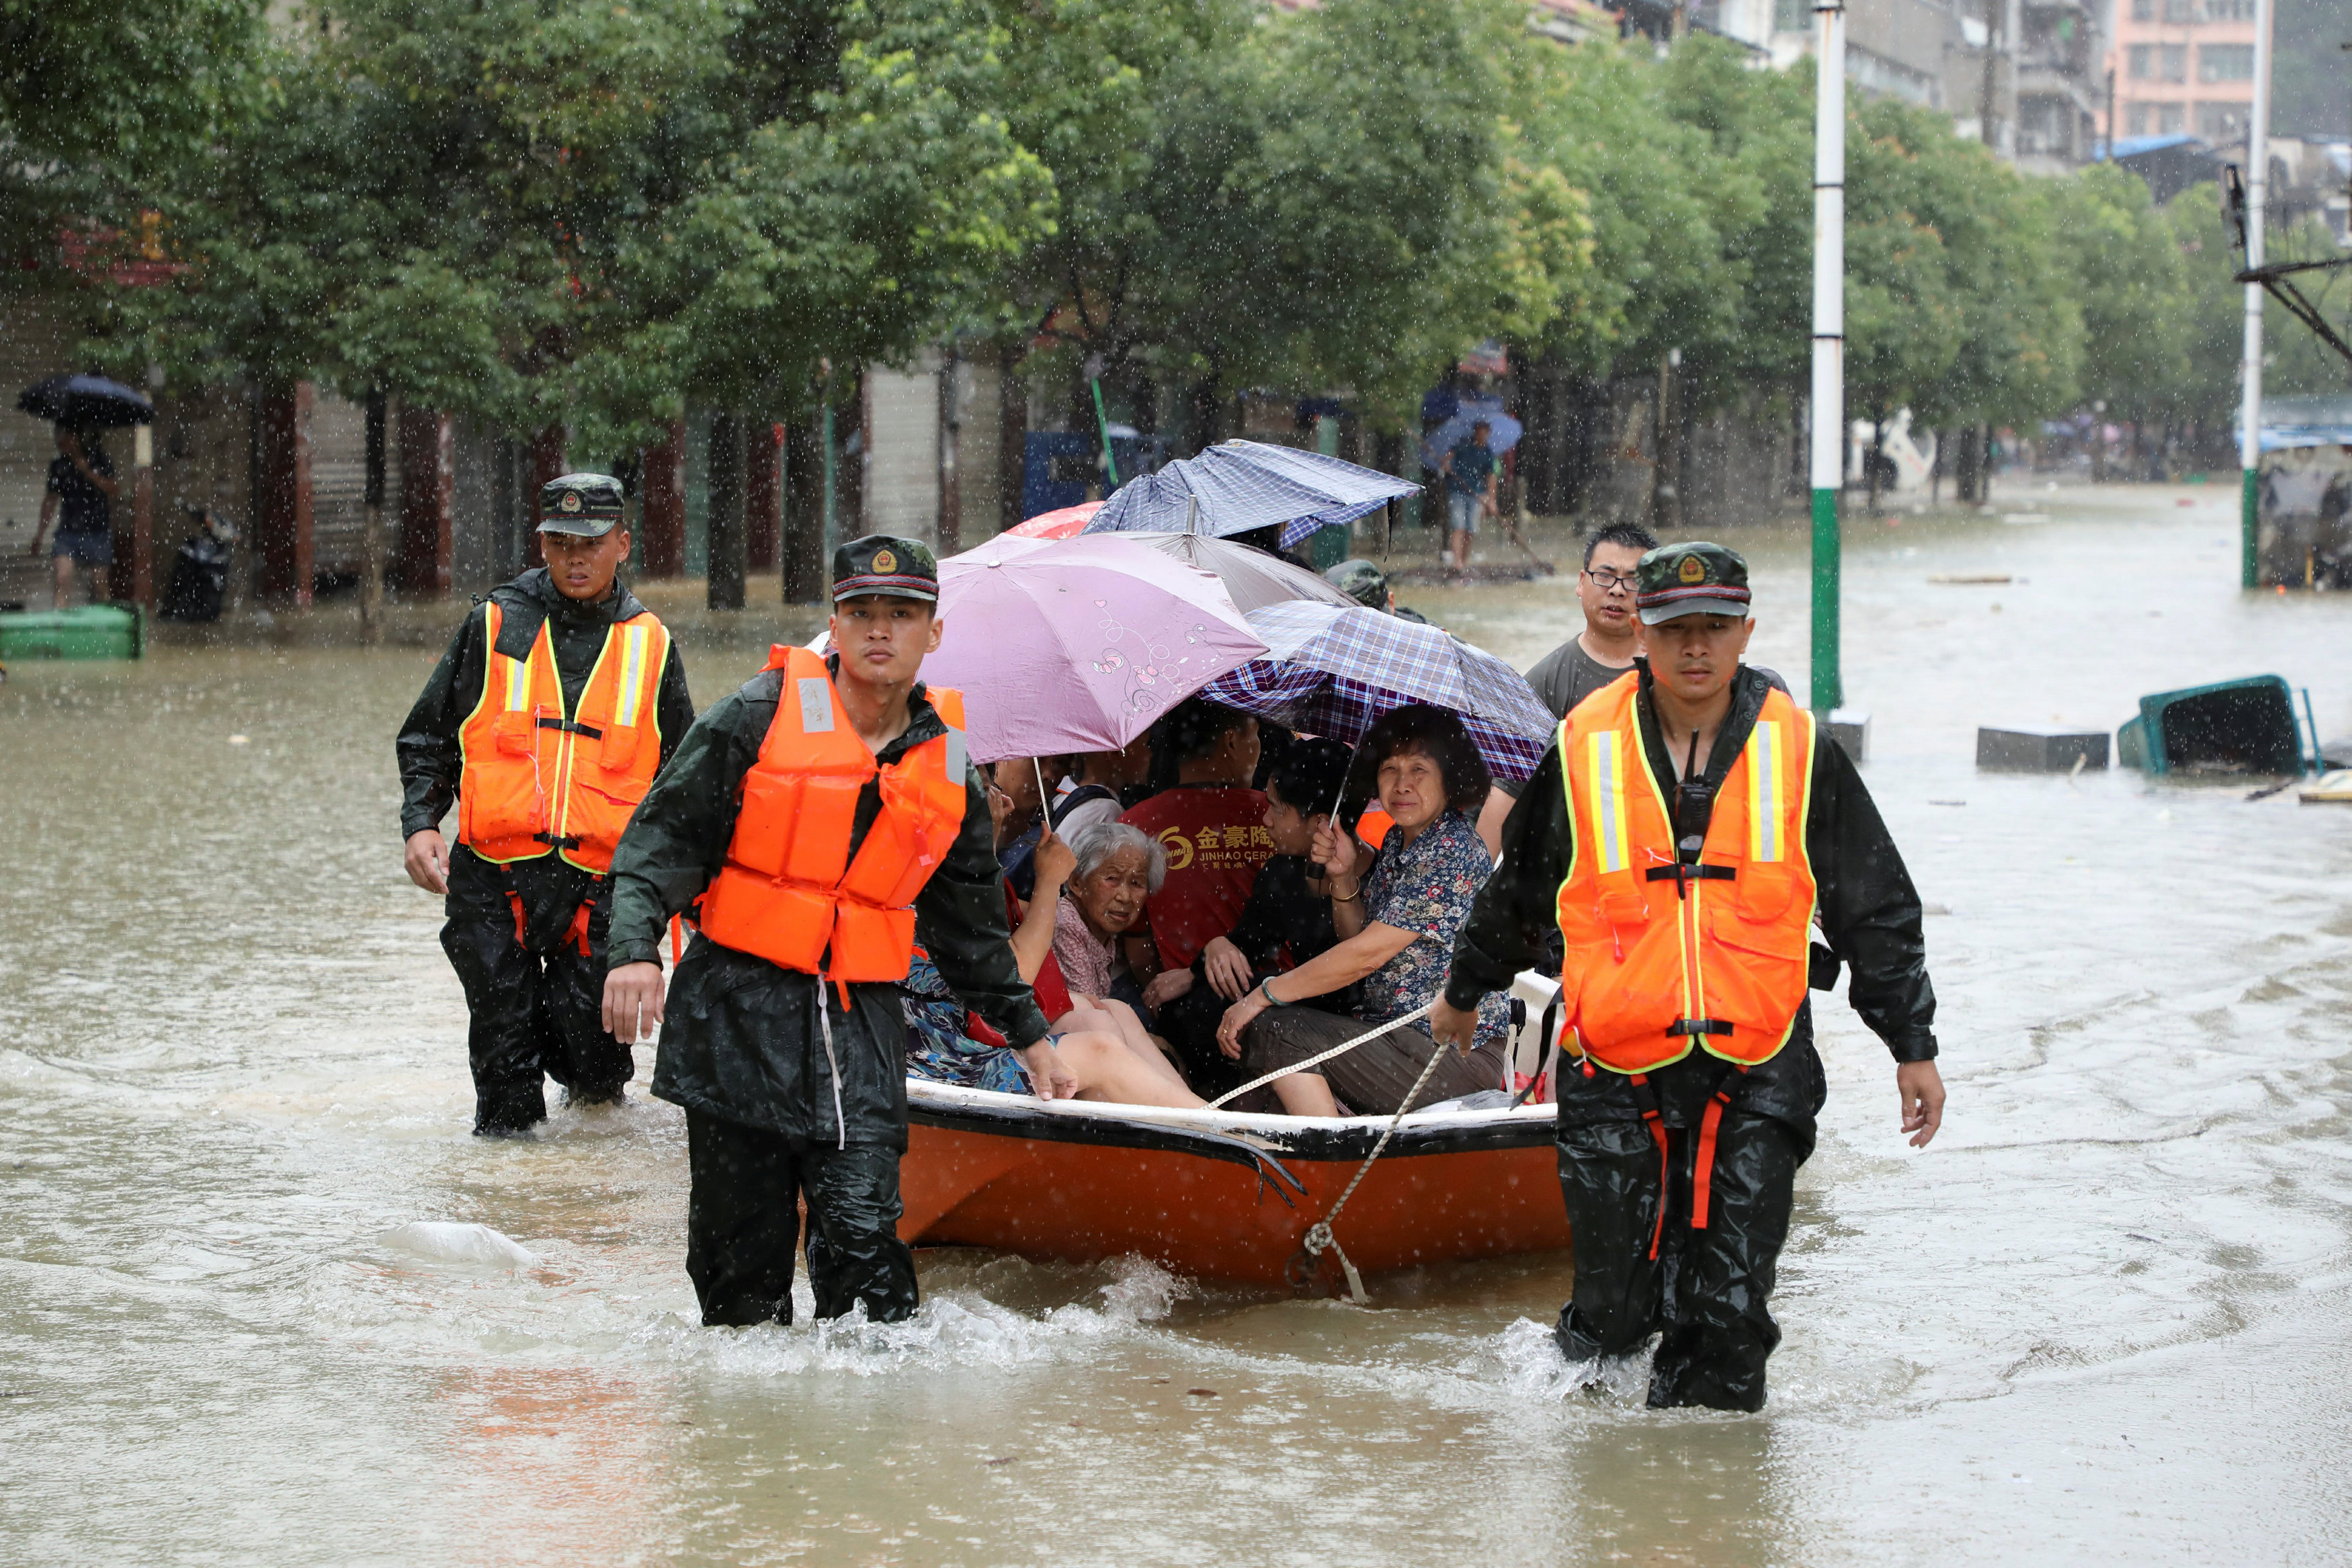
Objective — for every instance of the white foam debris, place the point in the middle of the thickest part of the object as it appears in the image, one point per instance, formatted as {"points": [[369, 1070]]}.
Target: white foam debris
{"points": [[448, 1241]]}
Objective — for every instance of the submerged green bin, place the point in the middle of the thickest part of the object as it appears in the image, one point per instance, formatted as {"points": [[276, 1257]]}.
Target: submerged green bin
{"points": [[90, 631], [2246, 725]]}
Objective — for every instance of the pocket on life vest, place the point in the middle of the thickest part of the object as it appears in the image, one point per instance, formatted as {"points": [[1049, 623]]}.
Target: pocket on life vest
{"points": [[785, 925], [616, 753], [870, 943], [598, 819], [763, 825], [499, 803], [1763, 889], [515, 734], [1631, 1001], [897, 859], [816, 843]]}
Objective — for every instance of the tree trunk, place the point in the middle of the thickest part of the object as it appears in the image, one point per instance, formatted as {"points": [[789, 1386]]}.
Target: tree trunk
{"points": [[663, 511], [429, 502], [1012, 437], [282, 539], [546, 464], [1666, 477], [804, 548], [1877, 451], [372, 524], [950, 518], [761, 498], [725, 582]]}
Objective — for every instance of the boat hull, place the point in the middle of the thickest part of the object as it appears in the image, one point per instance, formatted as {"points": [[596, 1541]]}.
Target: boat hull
{"points": [[1223, 1197]]}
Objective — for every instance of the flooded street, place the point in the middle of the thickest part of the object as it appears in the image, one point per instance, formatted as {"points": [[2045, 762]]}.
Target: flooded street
{"points": [[2108, 1312]]}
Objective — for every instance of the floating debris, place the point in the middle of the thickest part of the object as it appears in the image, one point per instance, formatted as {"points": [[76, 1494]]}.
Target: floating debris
{"points": [[2035, 749]]}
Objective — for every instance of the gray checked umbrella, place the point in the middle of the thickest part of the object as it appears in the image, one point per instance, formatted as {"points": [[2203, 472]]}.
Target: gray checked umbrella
{"points": [[1331, 671], [1236, 486]]}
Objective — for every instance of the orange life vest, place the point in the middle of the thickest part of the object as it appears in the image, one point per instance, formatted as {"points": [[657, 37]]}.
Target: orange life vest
{"points": [[538, 779], [790, 889], [1661, 956]]}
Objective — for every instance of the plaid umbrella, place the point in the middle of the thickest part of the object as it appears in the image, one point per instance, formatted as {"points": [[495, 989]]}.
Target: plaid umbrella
{"points": [[1331, 671], [1237, 485]]}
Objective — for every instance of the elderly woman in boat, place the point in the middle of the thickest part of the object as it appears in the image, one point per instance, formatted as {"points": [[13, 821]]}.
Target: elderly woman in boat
{"points": [[1100, 1043], [1395, 918]]}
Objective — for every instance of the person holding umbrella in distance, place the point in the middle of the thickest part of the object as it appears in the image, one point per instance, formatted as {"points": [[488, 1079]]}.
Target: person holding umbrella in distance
{"points": [[81, 489], [1688, 826], [824, 819], [77, 498]]}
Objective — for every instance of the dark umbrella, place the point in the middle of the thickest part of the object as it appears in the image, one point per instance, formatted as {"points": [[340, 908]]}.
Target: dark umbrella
{"points": [[85, 402], [1331, 670], [1236, 486]]}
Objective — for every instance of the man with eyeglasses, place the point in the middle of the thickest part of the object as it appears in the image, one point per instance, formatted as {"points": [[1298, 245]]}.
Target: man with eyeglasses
{"points": [[1604, 649]]}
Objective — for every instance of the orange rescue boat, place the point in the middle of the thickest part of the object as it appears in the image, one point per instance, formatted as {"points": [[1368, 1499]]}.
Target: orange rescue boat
{"points": [[1229, 1195]]}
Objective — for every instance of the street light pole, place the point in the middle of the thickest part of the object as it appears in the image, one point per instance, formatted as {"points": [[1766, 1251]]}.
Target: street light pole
{"points": [[1828, 462], [2250, 413]]}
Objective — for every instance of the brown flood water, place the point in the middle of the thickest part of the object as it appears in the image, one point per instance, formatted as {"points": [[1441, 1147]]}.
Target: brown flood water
{"points": [[2105, 1315]]}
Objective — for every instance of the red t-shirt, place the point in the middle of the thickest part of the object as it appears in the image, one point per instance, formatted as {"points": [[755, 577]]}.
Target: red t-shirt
{"points": [[1216, 838]]}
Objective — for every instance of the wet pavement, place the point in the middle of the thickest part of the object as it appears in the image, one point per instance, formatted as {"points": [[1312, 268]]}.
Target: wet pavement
{"points": [[2107, 1313]]}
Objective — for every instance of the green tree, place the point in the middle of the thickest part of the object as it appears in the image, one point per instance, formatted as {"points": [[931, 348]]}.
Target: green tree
{"points": [[101, 103], [1223, 229], [537, 212], [1969, 315], [2127, 264]]}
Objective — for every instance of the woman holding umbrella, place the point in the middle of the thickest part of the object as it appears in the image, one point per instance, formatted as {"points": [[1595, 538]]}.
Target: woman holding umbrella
{"points": [[81, 485], [1395, 918]]}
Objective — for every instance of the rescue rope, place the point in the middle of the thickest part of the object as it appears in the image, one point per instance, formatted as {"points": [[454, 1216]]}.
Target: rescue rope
{"points": [[1318, 1234], [1374, 1032]]}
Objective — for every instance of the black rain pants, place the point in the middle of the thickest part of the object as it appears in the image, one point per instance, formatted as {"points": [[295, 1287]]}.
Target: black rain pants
{"points": [[743, 1220], [1705, 1293], [537, 1009]]}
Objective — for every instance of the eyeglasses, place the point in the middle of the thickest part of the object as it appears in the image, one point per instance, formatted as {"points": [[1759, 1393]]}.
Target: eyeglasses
{"points": [[1607, 580]]}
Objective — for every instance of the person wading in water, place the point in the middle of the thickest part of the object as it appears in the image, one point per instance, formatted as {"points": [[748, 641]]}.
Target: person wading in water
{"points": [[827, 819], [1683, 893], [557, 702]]}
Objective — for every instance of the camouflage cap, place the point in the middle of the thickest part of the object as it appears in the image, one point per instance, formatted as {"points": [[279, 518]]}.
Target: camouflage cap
{"points": [[882, 563], [588, 505], [1695, 578], [1360, 580]]}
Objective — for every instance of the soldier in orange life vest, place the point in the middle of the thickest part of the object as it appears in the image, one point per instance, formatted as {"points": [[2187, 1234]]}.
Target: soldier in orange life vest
{"points": [[1687, 827], [544, 724], [824, 820]]}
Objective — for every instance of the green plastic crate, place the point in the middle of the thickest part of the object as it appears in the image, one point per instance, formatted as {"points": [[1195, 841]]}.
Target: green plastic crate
{"points": [[2248, 724], [92, 631]]}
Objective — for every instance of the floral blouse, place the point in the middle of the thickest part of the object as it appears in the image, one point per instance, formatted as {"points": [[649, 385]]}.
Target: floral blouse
{"points": [[1425, 887]]}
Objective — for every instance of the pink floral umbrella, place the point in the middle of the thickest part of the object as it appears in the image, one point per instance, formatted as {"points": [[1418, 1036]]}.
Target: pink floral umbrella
{"points": [[1078, 647]]}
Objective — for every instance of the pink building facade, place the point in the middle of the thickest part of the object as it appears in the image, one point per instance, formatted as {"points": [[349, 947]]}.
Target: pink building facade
{"points": [[2184, 66]]}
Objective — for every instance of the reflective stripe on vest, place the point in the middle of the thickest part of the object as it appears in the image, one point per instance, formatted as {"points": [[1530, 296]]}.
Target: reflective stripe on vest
{"points": [[1661, 957], [790, 892], [539, 779]]}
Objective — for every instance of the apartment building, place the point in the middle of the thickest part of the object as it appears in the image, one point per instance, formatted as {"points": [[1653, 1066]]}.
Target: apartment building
{"points": [[2184, 67], [2060, 94]]}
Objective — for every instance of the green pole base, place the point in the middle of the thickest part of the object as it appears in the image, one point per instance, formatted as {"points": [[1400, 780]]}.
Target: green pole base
{"points": [[1828, 683], [2249, 507]]}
